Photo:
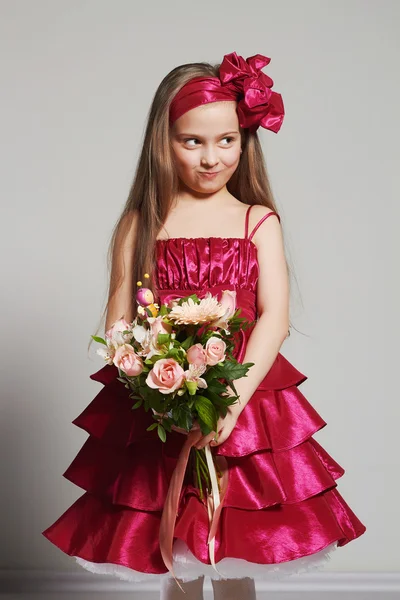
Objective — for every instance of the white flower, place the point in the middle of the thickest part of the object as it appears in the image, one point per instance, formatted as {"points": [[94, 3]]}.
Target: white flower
{"points": [[148, 348], [193, 374], [115, 337], [139, 333], [107, 355], [189, 312]]}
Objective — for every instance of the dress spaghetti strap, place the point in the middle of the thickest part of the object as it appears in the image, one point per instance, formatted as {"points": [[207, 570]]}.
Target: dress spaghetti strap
{"points": [[246, 232]]}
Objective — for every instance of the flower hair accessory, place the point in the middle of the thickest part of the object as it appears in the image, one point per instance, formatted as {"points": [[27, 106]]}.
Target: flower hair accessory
{"points": [[241, 80]]}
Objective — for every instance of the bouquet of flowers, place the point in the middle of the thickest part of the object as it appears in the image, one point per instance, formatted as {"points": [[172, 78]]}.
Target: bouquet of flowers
{"points": [[176, 359]]}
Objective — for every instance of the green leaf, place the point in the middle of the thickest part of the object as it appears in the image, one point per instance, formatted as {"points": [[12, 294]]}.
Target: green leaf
{"points": [[188, 342], [209, 374], [232, 386], [161, 433], [183, 416], [138, 403], [174, 353], [194, 297], [153, 359], [206, 411], [216, 399], [99, 339], [232, 369], [216, 386], [152, 426], [223, 411], [205, 429], [230, 400], [163, 338], [167, 424]]}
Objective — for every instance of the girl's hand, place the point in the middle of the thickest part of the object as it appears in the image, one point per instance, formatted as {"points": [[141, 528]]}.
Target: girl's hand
{"points": [[225, 427]]}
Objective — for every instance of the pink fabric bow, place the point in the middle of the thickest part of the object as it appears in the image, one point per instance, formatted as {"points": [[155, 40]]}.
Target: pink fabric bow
{"points": [[259, 105], [241, 80]]}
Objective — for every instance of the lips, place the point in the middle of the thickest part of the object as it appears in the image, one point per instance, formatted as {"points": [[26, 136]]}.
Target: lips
{"points": [[210, 175]]}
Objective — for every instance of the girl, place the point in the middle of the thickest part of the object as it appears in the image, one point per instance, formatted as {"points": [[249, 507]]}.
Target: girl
{"points": [[201, 217]]}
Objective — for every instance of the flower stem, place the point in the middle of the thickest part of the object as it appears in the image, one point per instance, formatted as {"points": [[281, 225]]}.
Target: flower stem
{"points": [[205, 473], [199, 476]]}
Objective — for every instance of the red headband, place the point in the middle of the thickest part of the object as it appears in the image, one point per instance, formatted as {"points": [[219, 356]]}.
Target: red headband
{"points": [[241, 80]]}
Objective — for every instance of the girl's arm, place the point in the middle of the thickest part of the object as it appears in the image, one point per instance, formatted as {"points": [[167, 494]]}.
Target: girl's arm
{"points": [[120, 302], [272, 326]]}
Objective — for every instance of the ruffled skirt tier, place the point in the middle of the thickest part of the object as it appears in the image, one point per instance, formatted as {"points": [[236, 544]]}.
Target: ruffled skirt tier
{"points": [[282, 512]]}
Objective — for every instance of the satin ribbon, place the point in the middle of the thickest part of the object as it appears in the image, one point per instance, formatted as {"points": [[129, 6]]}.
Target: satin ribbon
{"points": [[214, 500], [241, 80], [258, 104]]}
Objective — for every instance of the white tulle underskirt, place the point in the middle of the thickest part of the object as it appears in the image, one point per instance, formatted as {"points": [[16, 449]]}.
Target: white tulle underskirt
{"points": [[187, 567]]}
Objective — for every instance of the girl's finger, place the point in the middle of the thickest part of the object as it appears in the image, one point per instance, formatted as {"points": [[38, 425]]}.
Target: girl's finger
{"points": [[205, 440]]}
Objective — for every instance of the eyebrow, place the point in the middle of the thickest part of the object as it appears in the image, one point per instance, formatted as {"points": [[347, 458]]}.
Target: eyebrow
{"points": [[199, 136]]}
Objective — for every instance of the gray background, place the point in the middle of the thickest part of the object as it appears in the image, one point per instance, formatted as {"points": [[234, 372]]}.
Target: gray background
{"points": [[77, 79]]}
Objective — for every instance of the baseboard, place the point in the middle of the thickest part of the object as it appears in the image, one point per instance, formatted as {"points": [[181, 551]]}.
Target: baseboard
{"points": [[343, 584]]}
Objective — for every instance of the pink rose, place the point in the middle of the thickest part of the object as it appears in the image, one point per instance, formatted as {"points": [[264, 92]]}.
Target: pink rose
{"points": [[215, 350], [114, 336], [127, 360], [196, 355], [228, 301], [167, 375]]}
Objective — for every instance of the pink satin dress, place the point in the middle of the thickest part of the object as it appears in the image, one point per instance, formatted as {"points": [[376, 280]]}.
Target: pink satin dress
{"points": [[282, 512]]}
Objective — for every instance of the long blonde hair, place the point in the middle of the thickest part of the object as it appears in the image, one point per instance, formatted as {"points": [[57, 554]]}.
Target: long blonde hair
{"points": [[155, 183]]}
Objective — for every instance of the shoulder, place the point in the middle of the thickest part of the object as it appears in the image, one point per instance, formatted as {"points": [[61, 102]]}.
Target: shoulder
{"points": [[258, 211], [262, 218]]}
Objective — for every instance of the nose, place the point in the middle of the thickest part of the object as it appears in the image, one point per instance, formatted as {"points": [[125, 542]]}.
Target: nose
{"points": [[209, 157]]}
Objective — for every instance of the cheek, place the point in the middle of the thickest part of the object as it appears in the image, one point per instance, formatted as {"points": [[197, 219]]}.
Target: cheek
{"points": [[231, 157], [185, 161]]}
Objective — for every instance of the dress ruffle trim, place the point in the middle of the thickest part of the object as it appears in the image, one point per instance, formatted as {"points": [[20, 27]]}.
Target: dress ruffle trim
{"points": [[187, 567], [139, 480], [277, 417], [271, 454]]}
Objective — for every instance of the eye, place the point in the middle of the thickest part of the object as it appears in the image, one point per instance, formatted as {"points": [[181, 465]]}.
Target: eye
{"points": [[231, 139], [189, 140]]}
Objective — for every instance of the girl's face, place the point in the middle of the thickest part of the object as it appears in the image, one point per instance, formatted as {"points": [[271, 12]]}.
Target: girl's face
{"points": [[206, 139]]}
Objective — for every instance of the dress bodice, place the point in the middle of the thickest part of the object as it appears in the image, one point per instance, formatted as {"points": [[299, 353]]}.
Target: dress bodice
{"points": [[195, 263], [187, 265], [200, 265]]}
